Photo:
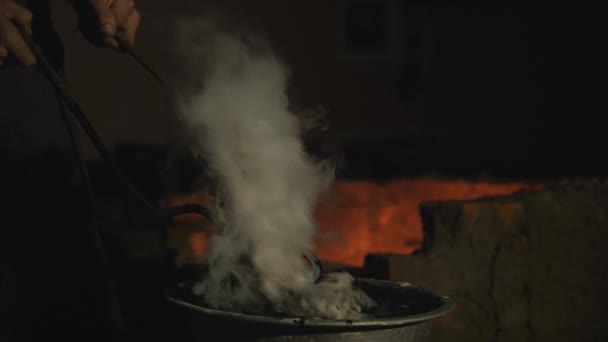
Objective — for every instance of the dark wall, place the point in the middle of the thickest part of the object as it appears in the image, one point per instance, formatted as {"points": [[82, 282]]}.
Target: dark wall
{"points": [[488, 84], [520, 82], [361, 94]]}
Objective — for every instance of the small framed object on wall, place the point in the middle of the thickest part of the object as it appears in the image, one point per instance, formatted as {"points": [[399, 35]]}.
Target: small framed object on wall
{"points": [[370, 30]]}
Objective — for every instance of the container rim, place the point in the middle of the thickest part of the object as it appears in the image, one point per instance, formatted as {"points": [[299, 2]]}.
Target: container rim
{"points": [[447, 305]]}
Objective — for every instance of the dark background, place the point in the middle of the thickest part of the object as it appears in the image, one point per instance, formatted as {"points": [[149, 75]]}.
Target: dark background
{"points": [[509, 90]]}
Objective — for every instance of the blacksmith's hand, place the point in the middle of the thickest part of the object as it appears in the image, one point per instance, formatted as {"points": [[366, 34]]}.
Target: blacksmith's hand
{"points": [[99, 20], [11, 42]]}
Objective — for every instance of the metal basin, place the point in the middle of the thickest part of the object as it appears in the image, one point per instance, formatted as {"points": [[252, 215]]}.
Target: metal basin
{"points": [[409, 312]]}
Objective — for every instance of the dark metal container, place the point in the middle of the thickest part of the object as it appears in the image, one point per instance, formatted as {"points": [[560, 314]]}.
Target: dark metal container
{"points": [[409, 314]]}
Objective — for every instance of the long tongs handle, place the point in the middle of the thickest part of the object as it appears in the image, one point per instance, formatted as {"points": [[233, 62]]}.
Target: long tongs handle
{"points": [[126, 46], [101, 148], [43, 62]]}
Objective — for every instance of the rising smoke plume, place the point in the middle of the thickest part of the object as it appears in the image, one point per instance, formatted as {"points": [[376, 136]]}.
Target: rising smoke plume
{"points": [[268, 186]]}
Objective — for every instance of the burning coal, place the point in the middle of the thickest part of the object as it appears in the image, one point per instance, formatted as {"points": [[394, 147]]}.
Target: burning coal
{"points": [[266, 185]]}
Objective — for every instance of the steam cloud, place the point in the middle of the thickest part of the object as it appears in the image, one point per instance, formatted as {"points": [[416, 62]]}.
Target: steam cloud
{"points": [[268, 186]]}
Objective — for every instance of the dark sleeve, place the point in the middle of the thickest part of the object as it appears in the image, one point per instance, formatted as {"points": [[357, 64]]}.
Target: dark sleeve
{"points": [[50, 265]]}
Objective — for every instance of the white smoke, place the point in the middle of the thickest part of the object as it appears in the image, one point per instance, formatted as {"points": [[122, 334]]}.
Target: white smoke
{"points": [[239, 118]]}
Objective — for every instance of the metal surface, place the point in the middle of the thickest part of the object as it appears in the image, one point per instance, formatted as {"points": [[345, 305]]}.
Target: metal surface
{"points": [[414, 309], [126, 46]]}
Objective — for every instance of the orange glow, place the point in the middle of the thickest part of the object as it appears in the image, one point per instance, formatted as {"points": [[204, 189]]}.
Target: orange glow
{"points": [[356, 217], [198, 242], [188, 234]]}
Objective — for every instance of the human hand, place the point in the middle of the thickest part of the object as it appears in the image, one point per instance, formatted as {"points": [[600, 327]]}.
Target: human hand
{"points": [[100, 20], [11, 42]]}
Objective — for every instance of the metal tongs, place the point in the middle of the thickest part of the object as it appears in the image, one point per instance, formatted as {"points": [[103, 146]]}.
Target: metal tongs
{"points": [[128, 48], [76, 110], [162, 213]]}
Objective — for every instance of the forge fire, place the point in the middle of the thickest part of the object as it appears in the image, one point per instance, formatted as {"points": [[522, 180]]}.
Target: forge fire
{"points": [[359, 218], [355, 218]]}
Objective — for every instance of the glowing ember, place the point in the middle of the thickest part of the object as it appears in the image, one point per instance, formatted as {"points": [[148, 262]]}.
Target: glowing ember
{"points": [[385, 218], [357, 217], [189, 233]]}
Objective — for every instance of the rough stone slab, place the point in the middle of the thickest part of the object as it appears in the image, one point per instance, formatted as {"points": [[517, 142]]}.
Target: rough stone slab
{"points": [[527, 267]]}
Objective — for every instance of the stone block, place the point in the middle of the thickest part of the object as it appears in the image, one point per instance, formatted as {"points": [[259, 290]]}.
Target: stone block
{"points": [[526, 267]]}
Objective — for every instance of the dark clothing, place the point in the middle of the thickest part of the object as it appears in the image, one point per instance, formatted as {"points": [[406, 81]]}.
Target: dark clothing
{"points": [[51, 278], [43, 31]]}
